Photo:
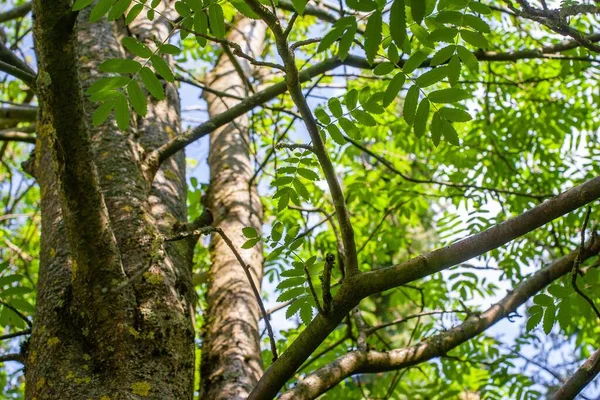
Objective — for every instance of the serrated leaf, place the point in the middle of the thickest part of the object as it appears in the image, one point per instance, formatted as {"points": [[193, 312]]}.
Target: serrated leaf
{"points": [[467, 57], [451, 95], [432, 77], [455, 114], [533, 321], [81, 4], [295, 307], [106, 84], [335, 107], [277, 231], [152, 83], [216, 20], [137, 98], [398, 23], [476, 23], [169, 49], [443, 55], [308, 174], [120, 65], [290, 294], [301, 189], [475, 39], [362, 5], [346, 41], [449, 133], [333, 35], [479, 8], [162, 68], [102, 112], [420, 123], [135, 47], [201, 26], [417, 9], [118, 9], [373, 35], [549, 314], [393, 88], [306, 313], [299, 6], [283, 202], [436, 129], [453, 70], [414, 62], [182, 9], [384, 68], [543, 300], [410, 104], [322, 116], [133, 13], [349, 127], [336, 134], [444, 34], [122, 112], [363, 118], [100, 10], [250, 243], [249, 232]]}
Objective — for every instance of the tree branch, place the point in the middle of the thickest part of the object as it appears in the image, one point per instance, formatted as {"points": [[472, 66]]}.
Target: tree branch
{"points": [[580, 379], [14, 13], [356, 288], [356, 362]]}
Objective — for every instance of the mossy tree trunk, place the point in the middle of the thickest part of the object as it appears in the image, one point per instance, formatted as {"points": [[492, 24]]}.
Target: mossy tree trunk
{"points": [[101, 223]]}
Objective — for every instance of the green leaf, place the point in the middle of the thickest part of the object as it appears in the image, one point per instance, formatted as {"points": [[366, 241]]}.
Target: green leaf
{"points": [[349, 127], [479, 8], [81, 4], [292, 282], [414, 62], [106, 84], [449, 133], [373, 35], [169, 49], [102, 112], [201, 26], [308, 174], [118, 9], [393, 88], [421, 118], [306, 312], [467, 57], [330, 38], [322, 116], [347, 40], [476, 23], [432, 77], [351, 99], [398, 23], [443, 55], [564, 314], [248, 244], [249, 232], [410, 104], [182, 9], [277, 231], [384, 68], [216, 20], [436, 129], [133, 13], [196, 5], [543, 300], [453, 70], [451, 95], [363, 117], [336, 134], [362, 5], [559, 291], [152, 83], [295, 307], [162, 68], [137, 98], [443, 35], [549, 314], [135, 47], [291, 234], [122, 112], [283, 202], [474, 38], [417, 9], [299, 6], [120, 65], [290, 294], [301, 189], [100, 9], [455, 114], [533, 321], [335, 107]]}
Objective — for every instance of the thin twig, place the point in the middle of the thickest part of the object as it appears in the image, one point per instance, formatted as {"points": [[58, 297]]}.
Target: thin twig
{"points": [[16, 334], [21, 315], [577, 263]]}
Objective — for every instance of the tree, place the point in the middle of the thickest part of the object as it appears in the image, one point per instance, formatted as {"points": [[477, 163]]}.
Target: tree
{"points": [[389, 167]]}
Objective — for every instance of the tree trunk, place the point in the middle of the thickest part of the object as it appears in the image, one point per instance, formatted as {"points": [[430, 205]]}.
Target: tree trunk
{"points": [[90, 340], [231, 356]]}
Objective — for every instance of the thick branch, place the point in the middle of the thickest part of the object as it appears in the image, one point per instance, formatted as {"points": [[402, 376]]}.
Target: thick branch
{"points": [[12, 135], [373, 361], [580, 379], [357, 287], [14, 13]]}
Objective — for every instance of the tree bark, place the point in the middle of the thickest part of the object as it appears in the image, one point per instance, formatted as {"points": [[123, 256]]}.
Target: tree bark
{"points": [[231, 356], [88, 340]]}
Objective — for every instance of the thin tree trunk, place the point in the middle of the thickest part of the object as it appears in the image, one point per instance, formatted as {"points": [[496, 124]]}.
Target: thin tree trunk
{"points": [[139, 341], [231, 356]]}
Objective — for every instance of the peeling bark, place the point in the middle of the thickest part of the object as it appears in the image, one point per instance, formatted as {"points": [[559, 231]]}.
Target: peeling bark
{"points": [[231, 357]]}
